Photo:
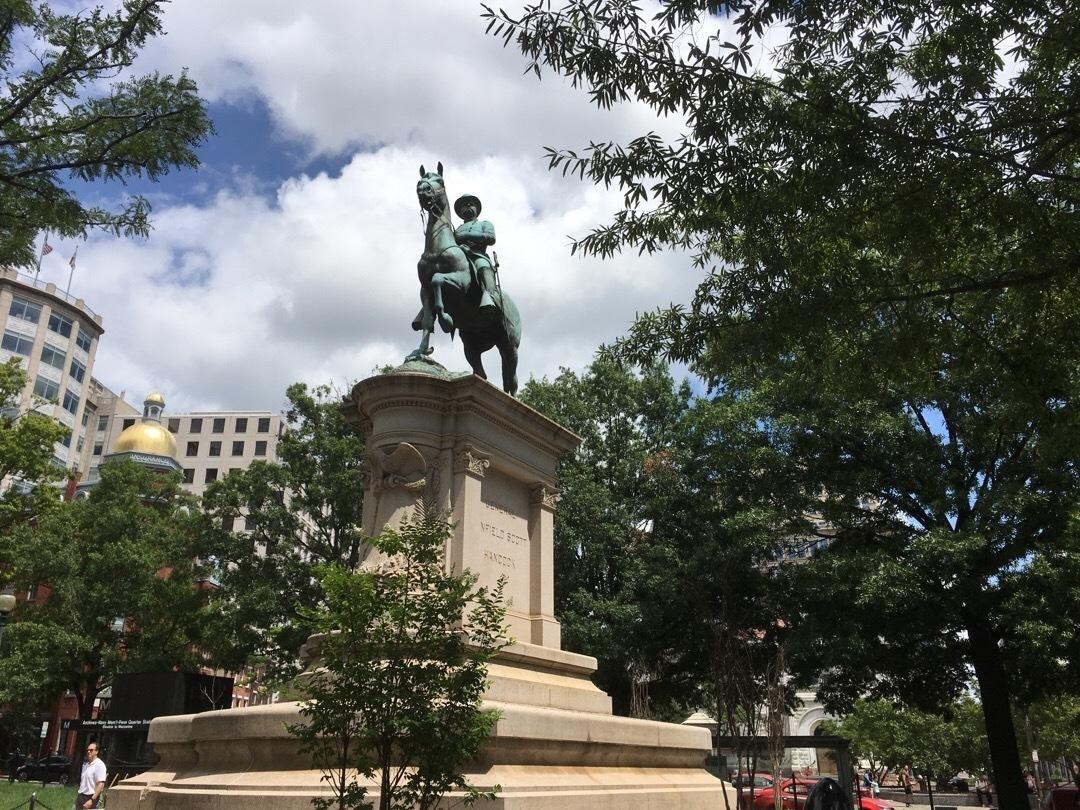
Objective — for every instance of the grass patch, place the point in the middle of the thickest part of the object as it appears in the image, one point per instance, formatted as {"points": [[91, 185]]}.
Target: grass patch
{"points": [[52, 797]]}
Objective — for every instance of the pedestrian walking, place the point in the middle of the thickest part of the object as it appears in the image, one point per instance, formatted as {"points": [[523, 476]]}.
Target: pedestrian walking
{"points": [[92, 780], [984, 790], [905, 782]]}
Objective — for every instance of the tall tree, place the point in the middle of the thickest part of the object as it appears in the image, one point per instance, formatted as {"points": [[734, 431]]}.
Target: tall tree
{"points": [[615, 580], [890, 196], [72, 111], [300, 511], [91, 625], [26, 452], [664, 531]]}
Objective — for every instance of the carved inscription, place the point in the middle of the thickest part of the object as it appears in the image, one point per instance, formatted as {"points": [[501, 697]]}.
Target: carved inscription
{"points": [[504, 534], [499, 559], [497, 526]]}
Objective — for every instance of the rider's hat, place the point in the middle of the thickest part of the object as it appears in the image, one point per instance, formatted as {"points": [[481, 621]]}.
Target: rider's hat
{"points": [[459, 203]]}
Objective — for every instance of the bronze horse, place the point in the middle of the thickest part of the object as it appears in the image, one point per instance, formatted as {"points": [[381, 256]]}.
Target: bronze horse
{"points": [[450, 294]]}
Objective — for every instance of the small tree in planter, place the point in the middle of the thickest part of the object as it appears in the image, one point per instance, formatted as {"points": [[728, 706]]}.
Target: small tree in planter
{"points": [[403, 668]]}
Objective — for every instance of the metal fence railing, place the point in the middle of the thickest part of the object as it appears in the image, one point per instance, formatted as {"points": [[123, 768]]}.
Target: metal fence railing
{"points": [[33, 803]]}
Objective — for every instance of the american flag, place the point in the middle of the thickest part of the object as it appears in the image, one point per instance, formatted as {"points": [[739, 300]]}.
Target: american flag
{"points": [[46, 249], [72, 260]]}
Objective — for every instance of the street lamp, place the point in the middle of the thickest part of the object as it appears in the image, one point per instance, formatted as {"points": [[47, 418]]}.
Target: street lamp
{"points": [[7, 604]]}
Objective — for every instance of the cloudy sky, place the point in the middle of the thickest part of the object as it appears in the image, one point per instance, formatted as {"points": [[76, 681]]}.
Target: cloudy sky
{"points": [[291, 253]]}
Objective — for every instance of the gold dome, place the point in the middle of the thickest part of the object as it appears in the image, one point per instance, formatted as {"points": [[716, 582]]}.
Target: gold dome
{"points": [[146, 437], [154, 398]]}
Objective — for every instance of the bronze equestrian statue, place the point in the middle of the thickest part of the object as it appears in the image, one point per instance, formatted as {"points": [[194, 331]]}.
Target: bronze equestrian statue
{"points": [[459, 284]]}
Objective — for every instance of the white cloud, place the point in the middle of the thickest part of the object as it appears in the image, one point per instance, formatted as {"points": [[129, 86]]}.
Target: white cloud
{"points": [[347, 74], [230, 301]]}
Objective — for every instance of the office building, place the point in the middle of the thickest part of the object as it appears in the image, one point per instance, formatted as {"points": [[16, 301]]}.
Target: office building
{"points": [[55, 337]]}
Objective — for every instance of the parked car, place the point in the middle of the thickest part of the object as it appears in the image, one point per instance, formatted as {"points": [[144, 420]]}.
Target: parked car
{"points": [[793, 795], [762, 782], [46, 769]]}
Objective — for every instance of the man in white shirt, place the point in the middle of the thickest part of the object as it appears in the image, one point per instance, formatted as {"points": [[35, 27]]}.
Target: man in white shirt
{"points": [[92, 781]]}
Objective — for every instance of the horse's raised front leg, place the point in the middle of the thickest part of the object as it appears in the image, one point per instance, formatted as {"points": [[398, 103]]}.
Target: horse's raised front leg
{"points": [[445, 321]]}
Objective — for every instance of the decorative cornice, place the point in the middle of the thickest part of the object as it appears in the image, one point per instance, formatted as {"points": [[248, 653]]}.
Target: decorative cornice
{"points": [[544, 496], [470, 460]]}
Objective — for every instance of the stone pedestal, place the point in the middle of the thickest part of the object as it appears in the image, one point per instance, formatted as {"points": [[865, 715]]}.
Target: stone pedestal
{"points": [[464, 446]]}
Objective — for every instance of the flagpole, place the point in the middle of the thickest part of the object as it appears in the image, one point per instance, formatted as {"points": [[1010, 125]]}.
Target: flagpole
{"points": [[72, 272], [41, 255]]}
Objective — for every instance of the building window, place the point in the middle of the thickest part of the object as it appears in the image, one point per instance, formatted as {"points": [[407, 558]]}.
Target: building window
{"points": [[66, 441], [211, 475], [83, 341], [77, 370], [189, 475], [98, 448], [241, 424], [192, 448], [227, 523], [17, 343], [260, 448], [238, 448], [53, 356], [80, 444], [196, 426], [219, 425], [215, 448], [46, 389], [174, 425], [103, 423], [71, 402], [264, 424], [86, 417], [60, 324], [128, 423], [27, 310]]}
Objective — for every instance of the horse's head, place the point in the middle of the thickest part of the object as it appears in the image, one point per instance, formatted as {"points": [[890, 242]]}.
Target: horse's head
{"points": [[431, 190]]}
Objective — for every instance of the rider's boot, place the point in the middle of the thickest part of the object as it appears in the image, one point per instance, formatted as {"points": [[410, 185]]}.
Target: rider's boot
{"points": [[487, 283], [446, 322]]}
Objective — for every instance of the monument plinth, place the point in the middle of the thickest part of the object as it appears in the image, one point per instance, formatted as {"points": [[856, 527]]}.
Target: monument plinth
{"points": [[480, 455], [464, 446]]}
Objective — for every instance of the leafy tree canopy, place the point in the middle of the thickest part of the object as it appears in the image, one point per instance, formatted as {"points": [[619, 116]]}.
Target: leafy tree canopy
{"points": [[299, 512], [890, 736], [87, 624], [834, 152], [72, 111]]}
